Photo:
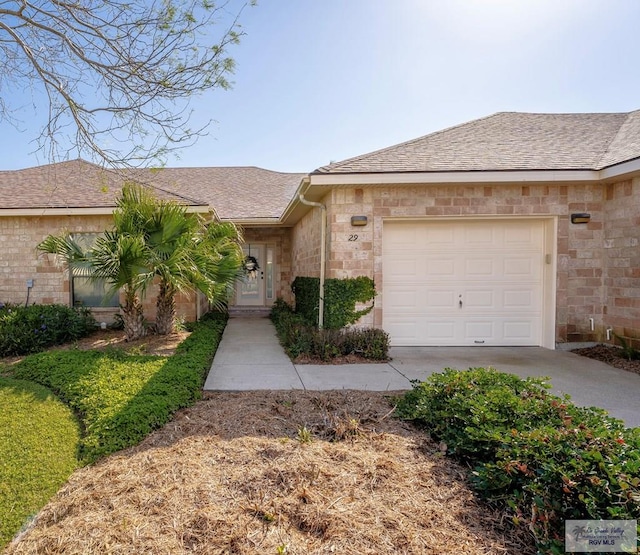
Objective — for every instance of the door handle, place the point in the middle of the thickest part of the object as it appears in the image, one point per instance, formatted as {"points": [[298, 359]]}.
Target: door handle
{"points": [[460, 303]]}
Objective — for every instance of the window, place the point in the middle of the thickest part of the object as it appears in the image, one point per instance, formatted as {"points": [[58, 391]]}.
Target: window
{"points": [[269, 270], [88, 292]]}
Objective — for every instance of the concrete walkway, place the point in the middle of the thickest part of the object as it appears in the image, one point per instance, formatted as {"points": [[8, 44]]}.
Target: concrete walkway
{"points": [[250, 358]]}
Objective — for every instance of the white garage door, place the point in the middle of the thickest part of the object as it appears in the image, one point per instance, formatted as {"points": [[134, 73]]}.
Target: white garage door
{"points": [[463, 283]]}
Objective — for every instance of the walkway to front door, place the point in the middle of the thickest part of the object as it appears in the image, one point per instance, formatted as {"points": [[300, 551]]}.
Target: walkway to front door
{"points": [[251, 358]]}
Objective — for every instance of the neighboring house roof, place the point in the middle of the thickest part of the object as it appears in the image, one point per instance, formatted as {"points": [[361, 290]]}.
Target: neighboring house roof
{"points": [[510, 141], [72, 184], [236, 193]]}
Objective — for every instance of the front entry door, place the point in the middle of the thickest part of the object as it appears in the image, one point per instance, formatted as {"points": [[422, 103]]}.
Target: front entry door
{"points": [[251, 287]]}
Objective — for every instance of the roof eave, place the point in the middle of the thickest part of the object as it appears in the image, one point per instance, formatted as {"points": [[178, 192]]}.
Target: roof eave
{"points": [[80, 211], [391, 178], [620, 170], [255, 222]]}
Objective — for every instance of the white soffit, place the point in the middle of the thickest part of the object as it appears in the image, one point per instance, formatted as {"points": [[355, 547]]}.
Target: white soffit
{"points": [[542, 176]]}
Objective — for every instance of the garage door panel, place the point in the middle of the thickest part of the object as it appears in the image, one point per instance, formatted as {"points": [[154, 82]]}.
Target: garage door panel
{"points": [[478, 235], [404, 332], [516, 331], [494, 267], [403, 268], [479, 267], [523, 267], [478, 299], [440, 298], [520, 299], [479, 329], [443, 330], [440, 236], [404, 298]]}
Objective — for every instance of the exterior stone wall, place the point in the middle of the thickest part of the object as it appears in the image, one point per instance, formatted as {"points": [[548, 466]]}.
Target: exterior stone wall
{"points": [[597, 263], [20, 261], [305, 245], [621, 254]]}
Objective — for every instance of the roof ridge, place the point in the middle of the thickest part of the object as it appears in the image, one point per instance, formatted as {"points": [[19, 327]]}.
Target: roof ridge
{"points": [[178, 168], [52, 165], [607, 151], [150, 185]]}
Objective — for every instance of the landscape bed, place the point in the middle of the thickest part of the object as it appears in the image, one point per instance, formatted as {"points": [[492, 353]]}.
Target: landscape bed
{"points": [[282, 472]]}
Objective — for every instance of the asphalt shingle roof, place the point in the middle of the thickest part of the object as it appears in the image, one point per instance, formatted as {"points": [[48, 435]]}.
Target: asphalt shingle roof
{"points": [[234, 192], [510, 141], [507, 141]]}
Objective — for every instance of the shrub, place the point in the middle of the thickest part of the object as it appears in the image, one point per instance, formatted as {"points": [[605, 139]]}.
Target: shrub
{"points": [[33, 328], [302, 339], [340, 298], [120, 398], [541, 458]]}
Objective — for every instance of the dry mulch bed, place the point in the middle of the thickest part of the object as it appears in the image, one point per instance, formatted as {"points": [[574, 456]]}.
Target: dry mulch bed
{"points": [[610, 355], [235, 474]]}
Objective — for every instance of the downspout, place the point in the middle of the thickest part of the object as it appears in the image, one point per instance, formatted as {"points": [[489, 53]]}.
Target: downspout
{"points": [[323, 252]]}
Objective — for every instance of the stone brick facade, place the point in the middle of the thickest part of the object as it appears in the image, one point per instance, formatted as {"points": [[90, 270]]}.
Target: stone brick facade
{"points": [[598, 263], [20, 261], [305, 245], [621, 259]]}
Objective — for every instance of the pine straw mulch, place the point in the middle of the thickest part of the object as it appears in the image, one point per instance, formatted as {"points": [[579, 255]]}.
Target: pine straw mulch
{"points": [[234, 475], [611, 355]]}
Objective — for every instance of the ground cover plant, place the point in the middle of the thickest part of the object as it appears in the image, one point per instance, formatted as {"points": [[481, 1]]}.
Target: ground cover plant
{"points": [[120, 397], [283, 472], [39, 439], [33, 328], [536, 456], [303, 342]]}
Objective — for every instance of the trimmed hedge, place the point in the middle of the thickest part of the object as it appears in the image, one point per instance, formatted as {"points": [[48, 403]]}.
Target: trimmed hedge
{"points": [[120, 398], [340, 298], [538, 456], [301, 339], [31, 329]]}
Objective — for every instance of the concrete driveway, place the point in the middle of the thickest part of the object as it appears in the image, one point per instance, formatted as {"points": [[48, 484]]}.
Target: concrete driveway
{"points": [[589, 382], [250, 358]]}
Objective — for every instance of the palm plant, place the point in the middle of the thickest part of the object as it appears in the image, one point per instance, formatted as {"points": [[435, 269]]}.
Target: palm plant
{"points": [[183, 251], [156, 241], [120, 259], [115, 258]]}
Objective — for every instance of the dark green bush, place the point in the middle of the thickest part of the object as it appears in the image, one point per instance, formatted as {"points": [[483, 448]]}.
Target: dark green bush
{"points": [[302, 339], [120, 398], [540, 457], [33, 328], [340, 298]]}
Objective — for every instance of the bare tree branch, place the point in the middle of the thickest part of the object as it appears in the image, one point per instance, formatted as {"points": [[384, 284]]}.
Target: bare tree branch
{"points": [[117, 75]]}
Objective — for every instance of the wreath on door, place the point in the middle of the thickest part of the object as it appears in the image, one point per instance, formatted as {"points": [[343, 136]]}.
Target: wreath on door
{"points": [[251, 266]]}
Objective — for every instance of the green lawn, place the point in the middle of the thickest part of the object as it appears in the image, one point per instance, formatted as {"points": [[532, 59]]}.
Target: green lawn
{"points": [[39, 440], [118, 399]]}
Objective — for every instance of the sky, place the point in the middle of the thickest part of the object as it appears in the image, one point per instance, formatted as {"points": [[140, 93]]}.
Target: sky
{"points": [[319, 81]]}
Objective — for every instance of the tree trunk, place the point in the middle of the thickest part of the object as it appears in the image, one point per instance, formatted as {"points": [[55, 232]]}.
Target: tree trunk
{"points": [[165, 309], [133, 318]]}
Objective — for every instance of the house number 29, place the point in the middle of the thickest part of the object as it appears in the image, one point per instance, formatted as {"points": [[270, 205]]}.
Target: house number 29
{"points": [[353, 237]]}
